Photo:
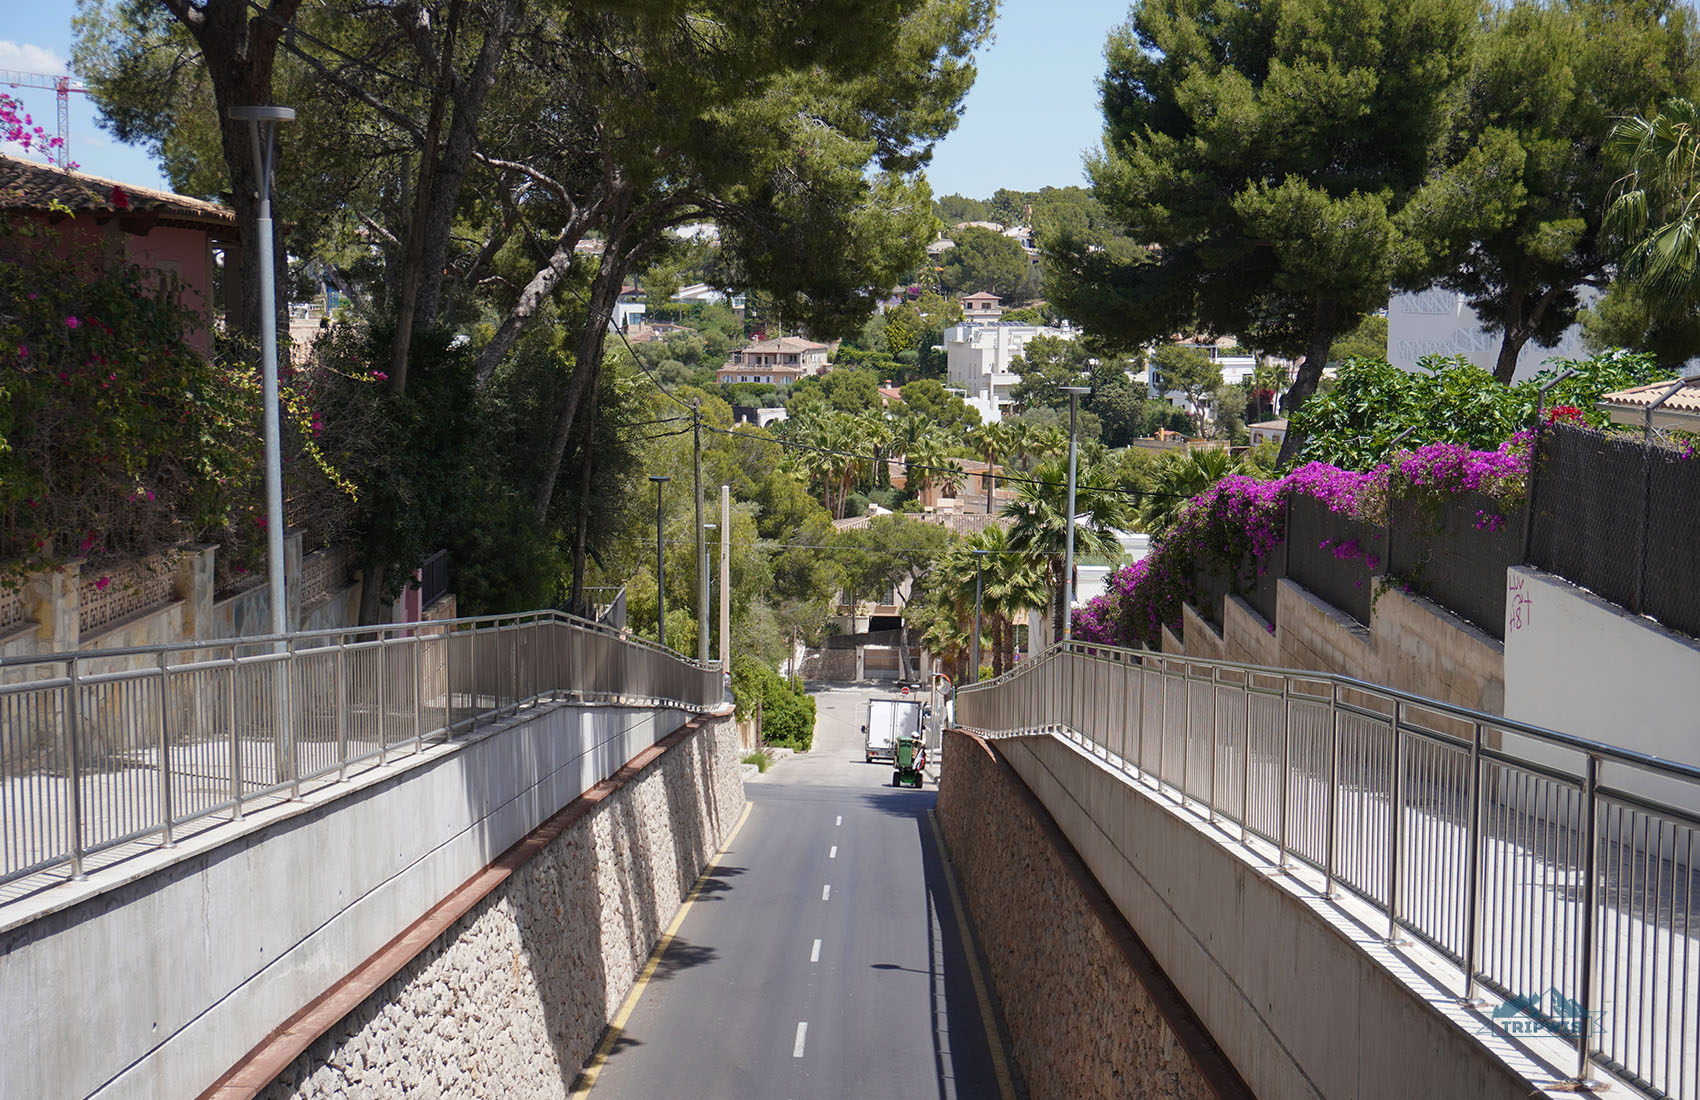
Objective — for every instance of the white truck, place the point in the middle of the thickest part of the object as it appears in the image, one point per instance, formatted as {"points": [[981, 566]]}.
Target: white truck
{"points": [[889, 719]]}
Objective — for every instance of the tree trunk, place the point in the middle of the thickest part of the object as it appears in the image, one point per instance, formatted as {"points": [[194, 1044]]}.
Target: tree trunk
{"points": [[580, 534], [409, 297], [587, 370], [239, 53], [1309, 374], [371, 601]]}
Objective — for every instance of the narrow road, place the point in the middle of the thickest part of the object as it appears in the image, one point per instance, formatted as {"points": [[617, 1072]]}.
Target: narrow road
{"points": [[824, 957]]}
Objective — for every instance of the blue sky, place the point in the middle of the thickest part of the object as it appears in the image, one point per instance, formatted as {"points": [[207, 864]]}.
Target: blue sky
{"points": [[1031, 115]]}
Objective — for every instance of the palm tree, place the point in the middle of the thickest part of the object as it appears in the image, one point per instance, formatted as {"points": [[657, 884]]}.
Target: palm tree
{"points": [[1041, 521], [1168, 484], [1012, 582], [993, 442], [1655, 214], [931, 460]]}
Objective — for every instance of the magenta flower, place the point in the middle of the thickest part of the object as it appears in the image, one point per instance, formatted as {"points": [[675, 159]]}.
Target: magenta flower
{"points": [[72, 322], [101, 584]]}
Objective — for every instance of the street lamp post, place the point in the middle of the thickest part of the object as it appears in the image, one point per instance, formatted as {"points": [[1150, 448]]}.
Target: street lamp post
{"points": [[266, 119], [660, 575], [1074, 395], [979, 589]]}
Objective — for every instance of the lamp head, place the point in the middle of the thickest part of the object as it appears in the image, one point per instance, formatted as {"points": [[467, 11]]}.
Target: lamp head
{"points": [[263, 114]]}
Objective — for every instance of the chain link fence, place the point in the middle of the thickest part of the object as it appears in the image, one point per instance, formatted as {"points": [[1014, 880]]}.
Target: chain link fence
{"points": [[1455, 551], [1621, 518]]}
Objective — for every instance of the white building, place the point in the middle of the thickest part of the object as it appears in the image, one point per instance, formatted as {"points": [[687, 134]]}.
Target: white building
{"points": [[978, 356], [1441, 322]]}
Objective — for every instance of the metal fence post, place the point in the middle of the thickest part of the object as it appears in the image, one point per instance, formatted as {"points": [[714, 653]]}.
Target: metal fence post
{"points": [[1585, 965], [287, 713], [341, 690], [1215, 705], [1472, 868], [73, 764], [1245, 766], [1395, 828], [1286, 750], [418, 703], [1333, 788], [165, 746], [382, 660], [472, 645], [235, 744]]}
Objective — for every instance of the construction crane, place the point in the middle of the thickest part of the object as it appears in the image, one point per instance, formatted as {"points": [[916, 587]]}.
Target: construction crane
{"points": [[62, 87]]}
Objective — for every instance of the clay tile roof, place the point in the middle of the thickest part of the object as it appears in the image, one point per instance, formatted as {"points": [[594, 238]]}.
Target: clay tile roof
{"points": [[30, 185], [982, 296], [1630, 406], [784, 343]]}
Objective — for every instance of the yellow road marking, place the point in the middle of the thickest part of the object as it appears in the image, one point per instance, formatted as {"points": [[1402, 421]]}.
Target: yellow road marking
{"points": [[993, 1043], [593, 1068]]}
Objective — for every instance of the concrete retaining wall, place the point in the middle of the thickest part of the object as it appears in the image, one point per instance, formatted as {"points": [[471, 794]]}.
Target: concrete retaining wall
{"points": [[153, 977], [511, 1000], [1411, 643], [1088, 1012], [1299, 1007]]}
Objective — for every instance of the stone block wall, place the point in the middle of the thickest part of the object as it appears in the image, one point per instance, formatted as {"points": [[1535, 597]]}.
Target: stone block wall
{"points": [[1089, 1013], [511, 999]]}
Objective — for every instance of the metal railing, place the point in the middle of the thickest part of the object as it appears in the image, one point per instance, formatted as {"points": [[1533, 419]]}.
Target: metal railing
{"points": [[1555, 871], [105, 750]]}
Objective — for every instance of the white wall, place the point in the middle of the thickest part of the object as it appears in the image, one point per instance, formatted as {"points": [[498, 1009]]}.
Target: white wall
{"points": [[1438, 322], [1581, 665], [977, 358]]}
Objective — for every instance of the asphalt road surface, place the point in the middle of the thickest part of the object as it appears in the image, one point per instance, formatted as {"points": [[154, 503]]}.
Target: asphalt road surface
{"points": [[824, 956]]}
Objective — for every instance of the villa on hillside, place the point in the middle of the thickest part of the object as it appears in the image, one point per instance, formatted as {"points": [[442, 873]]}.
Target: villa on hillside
{"points": [[983, 306], [775, 362]]}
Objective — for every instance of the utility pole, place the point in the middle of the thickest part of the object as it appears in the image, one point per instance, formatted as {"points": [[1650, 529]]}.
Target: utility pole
{"points": [[702, 537], [660, 575], [726, 578]]}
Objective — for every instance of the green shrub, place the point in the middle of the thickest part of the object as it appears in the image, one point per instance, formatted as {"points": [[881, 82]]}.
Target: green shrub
{"points": [[118, 438], [788, 713]]}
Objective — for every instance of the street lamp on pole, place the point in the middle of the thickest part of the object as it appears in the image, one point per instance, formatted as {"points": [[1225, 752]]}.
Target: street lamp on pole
{"points": [[979, 590], [262, 138], [1074, 395], [660, 575]]}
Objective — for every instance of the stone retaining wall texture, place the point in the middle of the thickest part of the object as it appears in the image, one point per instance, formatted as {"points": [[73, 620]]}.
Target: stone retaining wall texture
{"points": [[1081, 1021], [512, 999]]}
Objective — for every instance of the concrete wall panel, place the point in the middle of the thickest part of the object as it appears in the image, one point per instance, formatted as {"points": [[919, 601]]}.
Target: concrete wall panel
{"points": [[1292, 992], [172, 965]]}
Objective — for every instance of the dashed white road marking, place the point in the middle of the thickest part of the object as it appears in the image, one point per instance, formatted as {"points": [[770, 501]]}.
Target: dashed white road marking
{"points": [[826, 891], [814, 956], [834, 853], [802, 1030], [840, 820]]}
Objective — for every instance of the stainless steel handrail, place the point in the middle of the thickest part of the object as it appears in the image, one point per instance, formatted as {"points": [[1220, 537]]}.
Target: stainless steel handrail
{"points": [[100, 749], [1500, 844]]}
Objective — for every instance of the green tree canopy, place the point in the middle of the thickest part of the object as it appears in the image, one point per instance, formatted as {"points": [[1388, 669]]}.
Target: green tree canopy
{"points": [[1550, 79], [1292, 161], [986, 261], [928, 398], [1045, 365], [1188, 370]]}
